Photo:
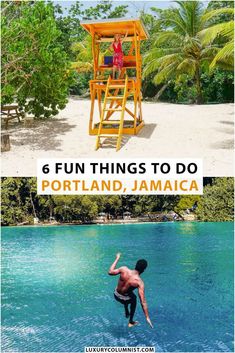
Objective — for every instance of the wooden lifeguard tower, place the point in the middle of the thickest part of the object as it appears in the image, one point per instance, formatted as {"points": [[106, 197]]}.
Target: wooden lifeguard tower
{"points": [[112, 94]]}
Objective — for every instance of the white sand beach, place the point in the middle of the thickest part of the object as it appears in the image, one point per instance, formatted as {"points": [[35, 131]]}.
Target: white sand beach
{"points": [[171, 130]]}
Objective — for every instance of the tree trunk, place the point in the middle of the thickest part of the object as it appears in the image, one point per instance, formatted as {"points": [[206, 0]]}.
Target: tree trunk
{"points": [[28, 122], [199, 99], [159, 93], [5, 143], [51, 208], [32, 203]]}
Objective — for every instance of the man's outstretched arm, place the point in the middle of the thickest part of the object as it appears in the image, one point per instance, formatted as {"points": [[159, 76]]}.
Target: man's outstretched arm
{"points": [[144, 303], [112, 270]]}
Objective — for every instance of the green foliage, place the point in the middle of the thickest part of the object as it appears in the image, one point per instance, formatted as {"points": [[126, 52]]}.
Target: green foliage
{"points": [[69, 23], [111, 204], [217, 204], [83, 51], [185, 90], [142, 204], [218, 87], [35, 67], [186, 202], [75, 40], [222, 34], [185, 45], [222, 17], [74, 208], [81, 85], [16, 207], [103, 10], [46, 54], [20, 203]]}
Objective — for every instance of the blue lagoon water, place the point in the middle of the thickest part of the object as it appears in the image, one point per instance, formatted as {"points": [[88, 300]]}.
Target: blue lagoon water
{"points": [[57, 296]]}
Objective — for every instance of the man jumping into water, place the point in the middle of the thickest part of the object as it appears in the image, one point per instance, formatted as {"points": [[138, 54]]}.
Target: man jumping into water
{"points": [[128, 281]]}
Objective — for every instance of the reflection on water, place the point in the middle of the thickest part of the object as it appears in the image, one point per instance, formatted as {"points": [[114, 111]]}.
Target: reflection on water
{"points": [[187, 228], [57, 296]]}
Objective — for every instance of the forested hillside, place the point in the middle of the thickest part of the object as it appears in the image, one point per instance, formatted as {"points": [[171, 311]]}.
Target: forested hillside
{"points": [[20, 203]]}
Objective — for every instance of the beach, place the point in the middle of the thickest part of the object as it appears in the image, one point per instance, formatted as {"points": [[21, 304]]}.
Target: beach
{"points": [[170, 131]]}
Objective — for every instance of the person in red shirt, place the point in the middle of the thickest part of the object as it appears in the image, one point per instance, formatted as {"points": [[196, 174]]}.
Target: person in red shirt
{"points": [[116, 46]]}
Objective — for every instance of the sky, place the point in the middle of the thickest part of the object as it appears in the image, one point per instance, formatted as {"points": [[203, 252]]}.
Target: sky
{"points": [[134, 7]]}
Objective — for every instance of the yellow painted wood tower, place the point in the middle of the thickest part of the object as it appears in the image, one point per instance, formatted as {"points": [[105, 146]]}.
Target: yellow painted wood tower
{"points": [[119, 100]]}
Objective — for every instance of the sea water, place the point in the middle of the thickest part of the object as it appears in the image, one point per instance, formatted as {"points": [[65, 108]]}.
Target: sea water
{"points": [[57, 295]]}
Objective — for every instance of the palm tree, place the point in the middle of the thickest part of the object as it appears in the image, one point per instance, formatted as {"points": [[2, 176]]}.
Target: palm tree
{"points": [[178, 49], [83, 51], [225, 30], [32, 189], [84, 57]]}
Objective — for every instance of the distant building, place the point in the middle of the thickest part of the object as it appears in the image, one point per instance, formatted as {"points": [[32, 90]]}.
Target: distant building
{"points": [[127, 215], [101, 218], [52, 220], [35, 220]]}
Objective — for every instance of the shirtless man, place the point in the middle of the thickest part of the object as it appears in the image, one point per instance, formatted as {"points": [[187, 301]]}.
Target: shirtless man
{"points": [[129, 280]]}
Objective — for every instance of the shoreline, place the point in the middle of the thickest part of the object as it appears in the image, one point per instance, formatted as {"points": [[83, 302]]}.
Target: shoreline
{"points": [[86, 224], [105, 224]]}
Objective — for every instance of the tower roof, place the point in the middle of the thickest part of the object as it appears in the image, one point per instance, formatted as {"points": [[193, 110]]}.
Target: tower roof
{"points": [[111, 26]]}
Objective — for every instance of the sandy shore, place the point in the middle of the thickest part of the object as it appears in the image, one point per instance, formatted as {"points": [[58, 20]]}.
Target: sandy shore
{"points": [[171, 130]]}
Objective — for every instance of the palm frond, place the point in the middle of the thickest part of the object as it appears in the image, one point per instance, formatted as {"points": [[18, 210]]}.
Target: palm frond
{"points": [[161, 63], [173, 19], [81, 66], [167, 37], [226, 54], [191, 12], [152, 54], [165, 74], [188, 42], [225, 66], [167, 60], [209, 53], [187, 65], [150, 68], [83, 50], [208, 15], [225, 29]]}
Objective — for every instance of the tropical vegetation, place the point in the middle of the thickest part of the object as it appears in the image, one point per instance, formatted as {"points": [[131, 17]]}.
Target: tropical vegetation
{"points": [[184, 45], [35, 66], [21, 203], [217, 201], [46, 54]]}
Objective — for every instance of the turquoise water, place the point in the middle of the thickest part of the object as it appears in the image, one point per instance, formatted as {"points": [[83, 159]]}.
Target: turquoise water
{"points": [[57, 296]]}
